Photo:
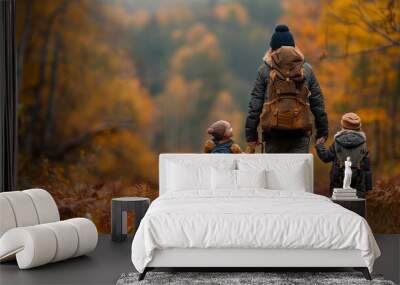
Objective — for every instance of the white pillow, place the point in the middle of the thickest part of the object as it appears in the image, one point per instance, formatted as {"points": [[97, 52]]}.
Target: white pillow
{"points": [[223, 179], [229, 180], [219, 163], [184, 178], [251, 178], [281, 174], [291, 179]]}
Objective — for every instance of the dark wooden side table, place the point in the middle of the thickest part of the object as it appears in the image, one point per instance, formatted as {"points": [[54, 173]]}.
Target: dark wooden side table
{"points": [[119, 209], [357, 205]]}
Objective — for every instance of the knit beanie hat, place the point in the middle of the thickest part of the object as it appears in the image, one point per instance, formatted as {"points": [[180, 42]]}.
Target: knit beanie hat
{"points": [[351, 121], [218, 129], [281, 37]]}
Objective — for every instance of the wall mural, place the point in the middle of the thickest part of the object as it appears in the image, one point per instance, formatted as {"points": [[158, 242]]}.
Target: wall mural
{"points": [[105, 86]]}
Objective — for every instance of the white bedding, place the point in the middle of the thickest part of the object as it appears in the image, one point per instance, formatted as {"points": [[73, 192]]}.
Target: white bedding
{"points": [[252, 218]]}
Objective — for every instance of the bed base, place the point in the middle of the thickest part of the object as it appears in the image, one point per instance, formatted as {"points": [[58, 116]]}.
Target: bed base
{"points": [[363, 270], [244, 259], [143, 274]]}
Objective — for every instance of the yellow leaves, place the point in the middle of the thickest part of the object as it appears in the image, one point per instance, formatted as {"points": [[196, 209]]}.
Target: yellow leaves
{"points": [[118, 14], [128, 100], [362, 24], [226, 11], [371, 115], [176, 15], [224, 108], [115, 13], [179, 98], [118, 100], [198, 35], [302, 17], [198, 41], [180, 87], [124, 154]]}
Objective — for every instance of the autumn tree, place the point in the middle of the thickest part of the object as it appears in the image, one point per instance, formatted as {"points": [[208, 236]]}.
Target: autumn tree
{"points": [[354, 47], [83, 114]]}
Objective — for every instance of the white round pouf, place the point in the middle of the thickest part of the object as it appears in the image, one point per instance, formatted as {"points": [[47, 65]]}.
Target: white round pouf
{"points": [[67, 240], [33, 246], [31, 233], [7, 219], [45, 205], [23, 208], [87, 234]]}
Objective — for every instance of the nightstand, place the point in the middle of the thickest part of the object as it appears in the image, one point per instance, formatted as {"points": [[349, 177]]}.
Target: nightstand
{"points": [[119, 209], [357, 205]]}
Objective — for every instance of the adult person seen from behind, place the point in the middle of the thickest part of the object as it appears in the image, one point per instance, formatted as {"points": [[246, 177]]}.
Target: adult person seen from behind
{"points": [[286, 100]]}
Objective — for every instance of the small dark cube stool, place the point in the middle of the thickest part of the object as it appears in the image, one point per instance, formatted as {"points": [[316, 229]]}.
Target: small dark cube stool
{"points": [[119, 209], [357, 205]]}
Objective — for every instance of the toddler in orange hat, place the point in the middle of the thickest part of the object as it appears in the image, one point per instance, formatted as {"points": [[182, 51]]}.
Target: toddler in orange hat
{"points": [[351, 142]]}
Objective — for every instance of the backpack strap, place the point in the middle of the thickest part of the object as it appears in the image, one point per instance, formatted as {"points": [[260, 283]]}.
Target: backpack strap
{"points": [[272, 74], [356, 154]]}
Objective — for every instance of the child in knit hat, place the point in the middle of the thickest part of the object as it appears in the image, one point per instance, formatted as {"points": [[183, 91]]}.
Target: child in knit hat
{"points": [[352, 142], [221, 142]]}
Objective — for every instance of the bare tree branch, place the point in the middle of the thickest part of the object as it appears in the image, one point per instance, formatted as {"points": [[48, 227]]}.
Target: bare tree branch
{"points": [[53, 86], [85, 138], [356, 53], [23, 41], [341, 19], [370, 27], [373, 27], [37, 91]]}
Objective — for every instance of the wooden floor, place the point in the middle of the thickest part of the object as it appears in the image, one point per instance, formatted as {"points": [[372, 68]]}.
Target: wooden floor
{"points": [[111, 259]]}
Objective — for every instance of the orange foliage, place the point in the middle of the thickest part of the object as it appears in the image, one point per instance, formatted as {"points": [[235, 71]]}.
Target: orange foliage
{"points": [[198, 41], [225, 108], [227, 11], [383, 206], [137, 19], [87, 123], [353, 46], [176, 15], [94, 113]]}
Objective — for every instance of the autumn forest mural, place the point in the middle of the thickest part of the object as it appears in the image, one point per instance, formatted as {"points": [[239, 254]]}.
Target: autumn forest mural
{"points": [[105, 86]]}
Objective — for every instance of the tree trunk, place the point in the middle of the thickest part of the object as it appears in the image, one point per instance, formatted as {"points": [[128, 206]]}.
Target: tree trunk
{"points": [[394, 116], [23, 41], [38, 90], [378, 137], [60, 151], [49, 120]]}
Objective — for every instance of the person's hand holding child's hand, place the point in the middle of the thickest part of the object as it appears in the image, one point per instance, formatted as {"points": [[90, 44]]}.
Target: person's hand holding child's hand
{"points": [[251, 146], [320, 140]]}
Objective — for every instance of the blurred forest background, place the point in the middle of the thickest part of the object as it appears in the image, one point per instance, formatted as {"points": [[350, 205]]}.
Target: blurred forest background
{"points": [[107, 85]]}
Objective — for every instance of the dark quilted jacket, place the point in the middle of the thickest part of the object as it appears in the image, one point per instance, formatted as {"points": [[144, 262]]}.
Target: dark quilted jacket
{"points": [[258, 96]]}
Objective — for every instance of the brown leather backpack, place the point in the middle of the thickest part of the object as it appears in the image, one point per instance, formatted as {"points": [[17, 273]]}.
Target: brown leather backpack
{"points": [[287, 106]]}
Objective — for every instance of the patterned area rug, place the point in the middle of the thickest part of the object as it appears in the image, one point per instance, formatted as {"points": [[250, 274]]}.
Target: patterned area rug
{"points": [[230, 278]]}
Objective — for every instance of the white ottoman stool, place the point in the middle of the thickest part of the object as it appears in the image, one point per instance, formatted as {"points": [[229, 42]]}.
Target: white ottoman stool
{"points": [[31, 230]]}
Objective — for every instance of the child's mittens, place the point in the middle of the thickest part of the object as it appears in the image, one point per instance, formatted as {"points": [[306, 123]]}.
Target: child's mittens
{"points": [[208, 146], [319, 146], [235, 148]]}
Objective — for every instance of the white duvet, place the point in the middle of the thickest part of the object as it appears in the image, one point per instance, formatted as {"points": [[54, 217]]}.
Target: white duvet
{"points": [[250, 219]]}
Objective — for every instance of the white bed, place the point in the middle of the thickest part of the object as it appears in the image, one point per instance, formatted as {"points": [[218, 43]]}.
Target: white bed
{"points": [[226, 218]]}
